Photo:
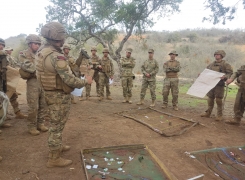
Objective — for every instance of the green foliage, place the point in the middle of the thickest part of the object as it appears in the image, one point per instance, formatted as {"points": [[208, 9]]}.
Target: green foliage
{"points": [[99, 19], [221, 13], [193, 37]]}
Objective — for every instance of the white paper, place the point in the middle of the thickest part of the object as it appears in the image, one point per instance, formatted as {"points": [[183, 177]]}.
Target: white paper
{"points": [[95, 166], [207, 80], [111, 81], [88, 167], [78, 92]]}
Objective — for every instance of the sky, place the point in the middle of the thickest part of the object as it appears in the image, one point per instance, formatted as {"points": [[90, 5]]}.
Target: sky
{"points": [[24, 17]]}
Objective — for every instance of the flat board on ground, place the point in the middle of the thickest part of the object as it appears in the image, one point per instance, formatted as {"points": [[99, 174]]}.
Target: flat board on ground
{"points": [[129, 162], [228, 163]]}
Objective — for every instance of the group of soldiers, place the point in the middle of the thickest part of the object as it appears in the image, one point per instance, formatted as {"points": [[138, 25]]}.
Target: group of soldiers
{"points": [[51, 75]]}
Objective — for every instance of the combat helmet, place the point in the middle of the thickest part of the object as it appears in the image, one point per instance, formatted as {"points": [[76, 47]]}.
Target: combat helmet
{"points": [[174, 53], [220, 52], [2, 42], [53, 31], [33, 38], [66, 46], [93, 48], [105, 50]]}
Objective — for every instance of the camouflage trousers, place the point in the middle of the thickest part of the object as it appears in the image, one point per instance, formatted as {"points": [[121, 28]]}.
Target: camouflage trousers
{"points": [[36, 102], [216, 92], [152, 87], [173, 85], [87, 90], [104, 82], [59, 106], [239, 103], [14, 103], [127, 85], [96, 79]]}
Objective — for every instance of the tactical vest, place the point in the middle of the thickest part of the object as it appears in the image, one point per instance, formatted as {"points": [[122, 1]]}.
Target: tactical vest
{"points": [[106, 66], [95, 61], [23, 74], [84, 66], [218, 67], [172, 74], [47, 75]]}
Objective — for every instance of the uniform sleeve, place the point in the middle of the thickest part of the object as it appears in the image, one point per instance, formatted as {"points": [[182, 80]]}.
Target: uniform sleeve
{"points": [[25, 64], [165, 67], [63, 69], [143, 69], [155, 70], [112, 69], [237, 74], [228, 70]]}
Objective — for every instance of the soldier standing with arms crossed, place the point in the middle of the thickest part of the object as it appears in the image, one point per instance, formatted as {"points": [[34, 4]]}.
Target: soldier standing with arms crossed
{"points": [[57, 80], [240, 96], [106, 72], [149, 69], [217, 92], [36, 102], [171, 67], [127, 76]]}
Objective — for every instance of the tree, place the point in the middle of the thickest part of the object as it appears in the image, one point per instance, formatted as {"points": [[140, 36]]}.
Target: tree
{"points": [[220, 11], [100, 19]]}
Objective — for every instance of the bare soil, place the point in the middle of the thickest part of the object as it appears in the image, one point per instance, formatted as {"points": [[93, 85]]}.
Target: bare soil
{"points": [[94, 124]]}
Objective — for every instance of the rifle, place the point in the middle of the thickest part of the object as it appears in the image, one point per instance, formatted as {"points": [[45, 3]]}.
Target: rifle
{"points": [[82, 54], [3, 73]]}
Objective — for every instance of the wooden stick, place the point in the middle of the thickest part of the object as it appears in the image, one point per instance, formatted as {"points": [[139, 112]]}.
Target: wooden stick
{"points": [[185, 119]]}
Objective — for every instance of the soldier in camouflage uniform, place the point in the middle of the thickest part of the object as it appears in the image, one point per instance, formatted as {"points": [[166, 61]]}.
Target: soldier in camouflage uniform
{"points": [[36, 102], [95, 62], [13, 96], [127, 75], [72, 63], [217, 92], [85, 65], [12, 62], [106, 72], [57, 80], [240, 96], [171, 68], [149, 70]]}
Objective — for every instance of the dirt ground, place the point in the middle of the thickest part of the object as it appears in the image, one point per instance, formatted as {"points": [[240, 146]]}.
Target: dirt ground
{"points": [[94, 124]]}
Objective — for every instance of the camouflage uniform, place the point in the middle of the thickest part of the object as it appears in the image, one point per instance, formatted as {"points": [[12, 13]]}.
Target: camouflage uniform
{"points": [[37, 106], [171, 68], [127, 75], [240, 96], [13, 96], [95, 62], [74, 68], [105, 74], [57, 80], [151, 67], [218, 91], [85, 64]]}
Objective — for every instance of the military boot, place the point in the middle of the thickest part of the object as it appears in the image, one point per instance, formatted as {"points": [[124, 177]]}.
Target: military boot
{"points": [[42, 127], [87, 97], [19, 115], [56, 161], [65, 148], [152, 103], [176, 108], [109, 98], [101, 98], [81, 98], [141, 102], [210, 108], [164, 106], [33, 131], [1, 158], [219, 116], [73, 101], [6, 125], [235, 121], [125, 100], [129, 100]]}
